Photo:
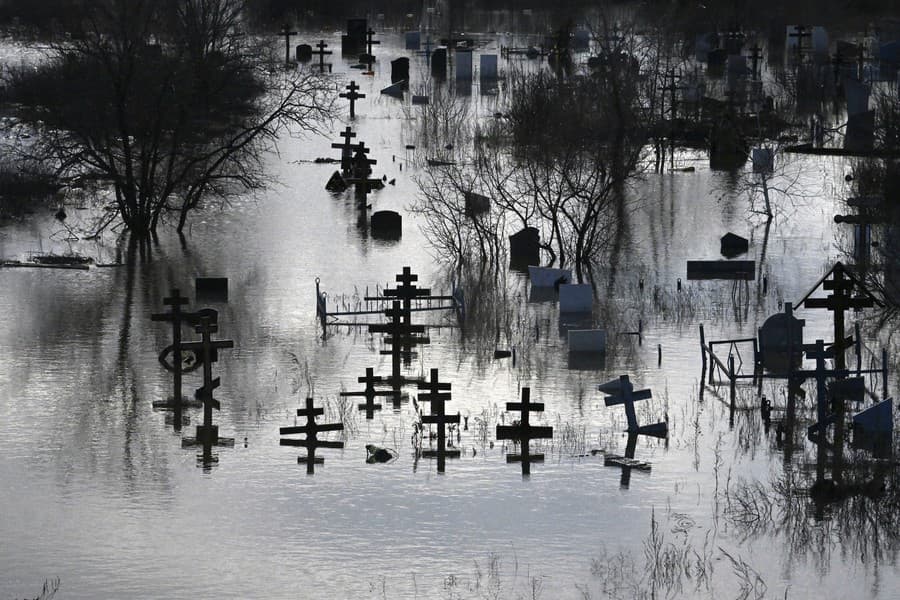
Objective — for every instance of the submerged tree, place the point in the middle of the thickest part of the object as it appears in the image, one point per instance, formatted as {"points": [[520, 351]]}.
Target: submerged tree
{"points": [[167, 101]]}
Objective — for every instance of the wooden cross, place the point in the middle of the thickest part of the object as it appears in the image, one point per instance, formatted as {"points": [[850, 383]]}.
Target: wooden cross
{"points": [[175, 300], [361, 171], [287, 33], [352, 96], [369, 41], [407, 291], [755, 56], [842, 283], [524, 431], [369, 393], [402, 339], [622, 392], [438, 416], [208, 433], [311, 430], [321, 52], [800, 33], [346, 149]]}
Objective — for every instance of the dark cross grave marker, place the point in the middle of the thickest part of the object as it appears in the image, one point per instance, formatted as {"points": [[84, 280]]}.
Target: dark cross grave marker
{"points": [[352, 95], [403, 337], [176, 317], [524, 431], [437, 395], [842, 283], [622, 392], [407, 291], [755, 57], [346, 149], [370, 42], [322, 52], [800, 32], [311, 430], [626, 462], [287, 33], [824, 416], [361, 170], [369, 406], [207, 433]]}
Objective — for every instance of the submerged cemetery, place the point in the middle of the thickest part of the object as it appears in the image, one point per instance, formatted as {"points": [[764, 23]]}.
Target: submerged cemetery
{"points": [[449, 299]]}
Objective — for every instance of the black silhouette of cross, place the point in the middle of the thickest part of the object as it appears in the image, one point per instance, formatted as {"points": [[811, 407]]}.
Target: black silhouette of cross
{"points": [[800, 32], [321, 52], [175, 300], [370, 393], [346, 149], [438, 416], [407, 291], [208, 348], [287, 33], [622, 392], [755, 57], [311, 430], [369, 41], [361, 171], [352, 96], [523, 432]]}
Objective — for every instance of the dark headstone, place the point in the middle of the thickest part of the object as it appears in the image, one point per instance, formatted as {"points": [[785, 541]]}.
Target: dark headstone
{"points": [[524, 248], [733, 245], [387, 225], [304, 53], [400, 69], [779, 333], [476, 203], [354, 41], [336, 183], [743, 270], [860, 133], [395, 90], [439, 63], [366, 59], [211, 289]]}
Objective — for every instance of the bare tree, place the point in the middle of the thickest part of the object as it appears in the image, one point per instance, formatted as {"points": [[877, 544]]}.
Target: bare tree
{"points": [[168, 102]]}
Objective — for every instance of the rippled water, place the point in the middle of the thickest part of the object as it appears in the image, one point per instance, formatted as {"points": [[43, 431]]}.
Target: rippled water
{"points": [[99, 492]]}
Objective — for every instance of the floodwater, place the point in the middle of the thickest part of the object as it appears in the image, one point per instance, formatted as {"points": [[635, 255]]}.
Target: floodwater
{"points": [[99, 492]]}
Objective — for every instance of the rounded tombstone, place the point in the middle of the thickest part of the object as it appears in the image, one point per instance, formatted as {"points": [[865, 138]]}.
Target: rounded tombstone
{"points": [[387, 225], [304, 53], [781, 341]]}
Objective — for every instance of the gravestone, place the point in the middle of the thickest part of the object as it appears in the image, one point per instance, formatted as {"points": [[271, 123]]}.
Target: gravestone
{"points": [[395, 90], [304, 53], [547, 277], [732, 245], [576, 298], [742, 270], [522, 431], [387, 225], [763, 160], [311, 430], [524, 248], [476, 203], [413, 40], [336, 183], [419, 100], [781, 341], [587, 340], [439, 63], [581, 40], [857, 95], [354, 41], [400, 69], [488, 67], [820, 42], [876, 419], [463, 65], [211, 289], [860, 133], [352, 94]]}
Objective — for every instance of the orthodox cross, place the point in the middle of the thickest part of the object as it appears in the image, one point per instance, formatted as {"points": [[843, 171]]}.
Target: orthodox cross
{"points": [[622, 392], [287, 33], [346, 149], [369, 41], [369, 406], [437, 415], [207, 433], [523, 431], [311, 430], [321, 52], [175, 316], [352, 95]]}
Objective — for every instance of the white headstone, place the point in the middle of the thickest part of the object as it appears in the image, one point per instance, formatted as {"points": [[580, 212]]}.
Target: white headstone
{"points": [[413, 40], [587, 340], [488, 66], [546, 277], [575, 298], [463, 65]]}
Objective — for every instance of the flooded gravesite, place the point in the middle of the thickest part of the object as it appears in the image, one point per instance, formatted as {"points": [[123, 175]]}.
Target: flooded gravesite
{"points": [[449, 299]]}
